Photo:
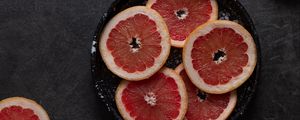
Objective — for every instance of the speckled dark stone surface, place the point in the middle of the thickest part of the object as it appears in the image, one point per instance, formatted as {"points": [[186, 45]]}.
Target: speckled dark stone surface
{"points": [[45, 56]]}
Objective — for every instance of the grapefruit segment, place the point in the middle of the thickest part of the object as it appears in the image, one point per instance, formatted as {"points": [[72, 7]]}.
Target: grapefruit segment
{"points": [[220, 56], [135, 43], [162, 96], [205, 106], [18, 108], [183, 16]]}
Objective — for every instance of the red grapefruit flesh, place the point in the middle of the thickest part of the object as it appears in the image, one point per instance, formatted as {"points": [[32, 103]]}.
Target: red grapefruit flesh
{"points": [[18, 108], [205, 106], [219, 56], [135, 43], [161, 97], [183, 16]]}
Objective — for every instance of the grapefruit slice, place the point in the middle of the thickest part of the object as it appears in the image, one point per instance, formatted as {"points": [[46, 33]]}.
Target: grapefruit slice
{"points": [[163, 96], [205, 106], [183, 16], [219, 56], [18, 108], [135, 43]]}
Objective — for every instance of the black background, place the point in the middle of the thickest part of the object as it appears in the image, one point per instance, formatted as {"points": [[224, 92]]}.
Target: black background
{"points": [[45, 56]]}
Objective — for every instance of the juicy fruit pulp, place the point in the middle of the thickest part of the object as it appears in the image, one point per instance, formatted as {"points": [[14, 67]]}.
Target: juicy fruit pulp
{"points": [[162, 96], [17, 113], [135, 43], [219, 55], [183, 16], [203, 106], [157, 97]]}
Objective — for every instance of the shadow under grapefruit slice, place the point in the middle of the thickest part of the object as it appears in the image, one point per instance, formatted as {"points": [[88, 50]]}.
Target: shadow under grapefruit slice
{"points": [[183, 16], [18, 108], [219, 56], [205, 106], [163, 96], [135, 43]]}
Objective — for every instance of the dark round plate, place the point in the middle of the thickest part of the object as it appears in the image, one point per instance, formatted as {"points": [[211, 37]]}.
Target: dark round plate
{"points": [[106, 82]]}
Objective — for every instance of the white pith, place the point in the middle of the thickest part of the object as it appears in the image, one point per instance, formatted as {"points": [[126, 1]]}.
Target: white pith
{"points": [[213, 16], [186, 13], [235, 81], [150, 98], [25, 103], [168, 72], [159, 61], [222, 58], [201, 100], [134, 50]]}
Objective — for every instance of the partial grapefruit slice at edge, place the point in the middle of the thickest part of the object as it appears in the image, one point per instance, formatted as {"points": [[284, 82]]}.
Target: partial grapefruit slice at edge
{"points": [[167, 72], [25, 103], [230, 106], [180, 43]]}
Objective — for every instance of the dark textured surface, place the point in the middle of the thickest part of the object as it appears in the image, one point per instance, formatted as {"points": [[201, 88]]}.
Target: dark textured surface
{"points": [[45, 56]]}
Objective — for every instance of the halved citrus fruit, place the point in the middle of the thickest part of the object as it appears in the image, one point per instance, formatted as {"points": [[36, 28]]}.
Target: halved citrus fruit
{"points": [[18, 108], [219, 56], [183, 16], [205, 106], [135, 43], [163, 96]]}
